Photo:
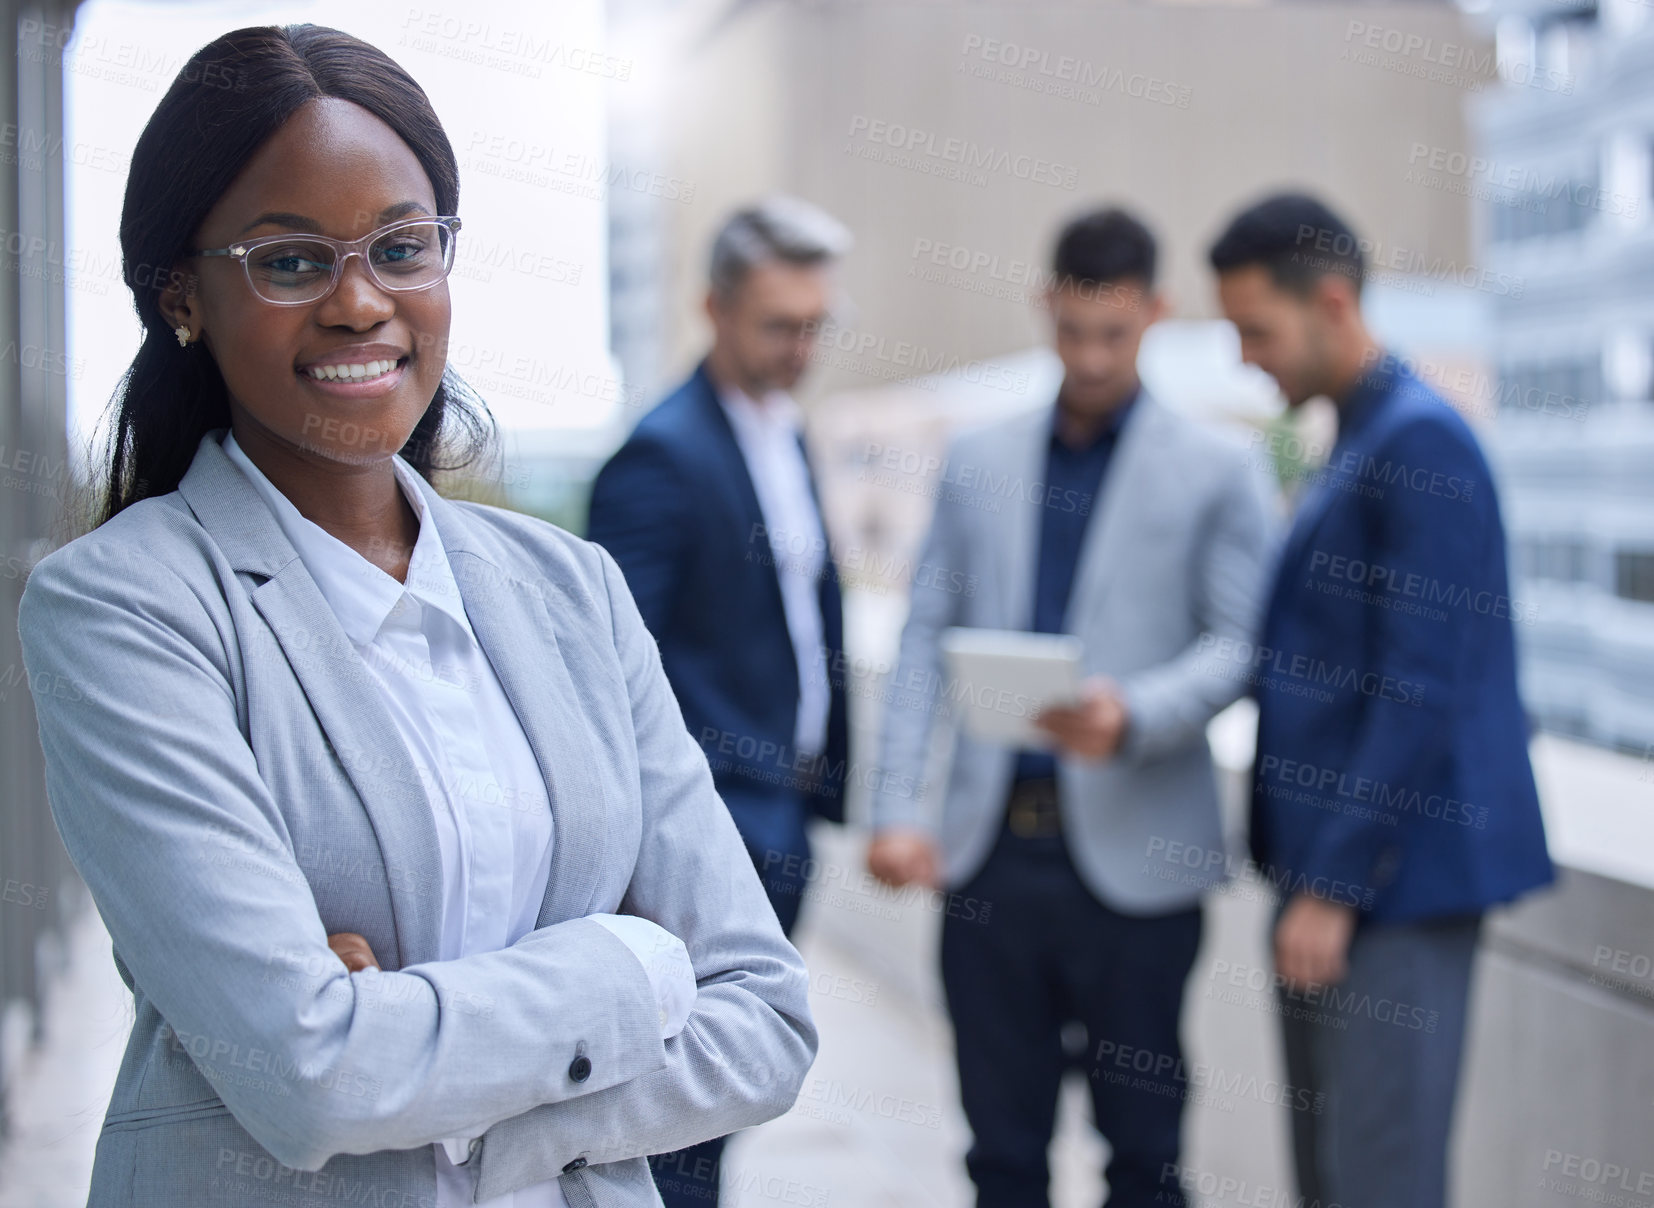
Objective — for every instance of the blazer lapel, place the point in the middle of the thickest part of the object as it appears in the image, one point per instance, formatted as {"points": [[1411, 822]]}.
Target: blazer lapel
{"points": [[1326, 487], [347, 702], [516, 622], [1026, 466], [338, 685]]}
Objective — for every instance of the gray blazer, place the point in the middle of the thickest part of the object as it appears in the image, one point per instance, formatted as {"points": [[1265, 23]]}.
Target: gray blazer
{"points": [[1178, 548], [233, 789]]}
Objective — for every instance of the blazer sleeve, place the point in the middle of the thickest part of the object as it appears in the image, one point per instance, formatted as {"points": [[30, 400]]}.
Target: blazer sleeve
{"points": [[640, 511], [148, 772], [1444, 544], [742, 1057], [1169, 706], [912, 702]]}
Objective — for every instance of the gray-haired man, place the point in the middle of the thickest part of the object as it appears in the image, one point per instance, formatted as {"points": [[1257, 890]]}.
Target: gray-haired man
{"points": [[710, 510]]}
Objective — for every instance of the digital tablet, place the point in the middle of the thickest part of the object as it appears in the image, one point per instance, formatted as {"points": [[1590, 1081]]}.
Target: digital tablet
{"points": [[999, 679]]}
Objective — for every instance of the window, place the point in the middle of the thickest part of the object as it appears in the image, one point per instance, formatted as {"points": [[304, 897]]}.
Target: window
{"points": [[1634, 575], [1565, 388], [1553, 559]]}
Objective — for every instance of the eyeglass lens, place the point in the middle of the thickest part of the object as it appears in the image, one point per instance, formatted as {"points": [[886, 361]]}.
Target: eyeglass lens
{"points": [[300, 269]]}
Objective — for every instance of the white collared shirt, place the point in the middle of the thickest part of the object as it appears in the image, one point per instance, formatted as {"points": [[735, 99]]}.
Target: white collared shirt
{"points": [[489, 801], [768, 436]]}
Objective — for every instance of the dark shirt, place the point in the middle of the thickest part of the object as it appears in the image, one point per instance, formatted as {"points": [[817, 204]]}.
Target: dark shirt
{"points": [[1073, 480], [1375, 383]]}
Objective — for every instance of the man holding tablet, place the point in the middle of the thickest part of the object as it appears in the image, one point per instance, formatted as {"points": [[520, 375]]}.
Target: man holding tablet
{"points": [[1109, 517]]}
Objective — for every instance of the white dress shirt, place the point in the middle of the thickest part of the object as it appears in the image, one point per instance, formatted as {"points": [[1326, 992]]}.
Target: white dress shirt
{"points": [[489, 802], [768, 436]]}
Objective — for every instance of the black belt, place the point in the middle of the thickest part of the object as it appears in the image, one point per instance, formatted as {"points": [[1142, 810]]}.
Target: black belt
{"points": [[1032, 812]]}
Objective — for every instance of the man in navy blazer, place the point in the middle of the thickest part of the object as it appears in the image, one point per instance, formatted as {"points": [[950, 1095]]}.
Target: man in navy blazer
{"points": [[1392, 800], [710, 509]]}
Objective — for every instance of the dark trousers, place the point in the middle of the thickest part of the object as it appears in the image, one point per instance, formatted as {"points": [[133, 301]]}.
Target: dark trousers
{"points": [[1051, 954], [691, 1176], [1383, 1047]]}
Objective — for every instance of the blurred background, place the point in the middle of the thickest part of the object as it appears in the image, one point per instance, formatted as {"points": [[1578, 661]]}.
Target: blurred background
{"points": [[1498, 154]]}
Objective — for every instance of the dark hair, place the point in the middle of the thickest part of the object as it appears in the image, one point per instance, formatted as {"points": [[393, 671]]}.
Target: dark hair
{"points": [[1104, 247], [232, 95], [1296, 237]]}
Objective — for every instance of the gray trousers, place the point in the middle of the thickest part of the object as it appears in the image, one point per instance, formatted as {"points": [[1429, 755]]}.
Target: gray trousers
{"points": [[1380, 1054]]}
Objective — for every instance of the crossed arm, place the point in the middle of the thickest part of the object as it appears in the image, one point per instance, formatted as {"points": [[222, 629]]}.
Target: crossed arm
{"points": [[146, 763]]}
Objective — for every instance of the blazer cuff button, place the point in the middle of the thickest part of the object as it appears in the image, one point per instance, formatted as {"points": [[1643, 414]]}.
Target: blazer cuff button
{"points": [[577, 1163], [580, 1069]]}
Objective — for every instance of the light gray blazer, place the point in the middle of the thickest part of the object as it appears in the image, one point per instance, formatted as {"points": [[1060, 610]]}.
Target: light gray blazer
{"points": [[232, 788], [1179, 547]]}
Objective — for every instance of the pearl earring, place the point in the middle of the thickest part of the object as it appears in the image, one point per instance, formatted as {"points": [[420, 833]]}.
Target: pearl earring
{"points": [[183, 334]]}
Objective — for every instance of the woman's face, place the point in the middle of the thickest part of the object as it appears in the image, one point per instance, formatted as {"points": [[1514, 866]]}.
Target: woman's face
{"points": [[333, 169]]}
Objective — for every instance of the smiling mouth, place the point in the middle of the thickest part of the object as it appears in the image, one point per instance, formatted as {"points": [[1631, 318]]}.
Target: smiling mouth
{"points": [[358, 371]]}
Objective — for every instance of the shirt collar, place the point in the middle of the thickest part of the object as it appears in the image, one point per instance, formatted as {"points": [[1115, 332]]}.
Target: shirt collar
{"points": [[1108, 432], [361, 594], [779, 410], [1377, 381]]}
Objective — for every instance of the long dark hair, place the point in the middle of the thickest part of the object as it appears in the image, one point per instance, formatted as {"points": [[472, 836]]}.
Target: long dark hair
{"points": [[233, 94]]}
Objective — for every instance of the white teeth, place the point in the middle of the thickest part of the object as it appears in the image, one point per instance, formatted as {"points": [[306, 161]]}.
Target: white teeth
{"points": [[360, 371]]}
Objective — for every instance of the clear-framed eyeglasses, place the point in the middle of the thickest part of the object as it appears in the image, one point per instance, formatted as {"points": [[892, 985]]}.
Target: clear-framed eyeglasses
{"points": [[293, 270]]}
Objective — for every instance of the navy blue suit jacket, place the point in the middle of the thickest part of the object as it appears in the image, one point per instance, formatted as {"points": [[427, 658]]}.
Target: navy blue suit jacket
{"points": [[676, 508], [1392, 769]]}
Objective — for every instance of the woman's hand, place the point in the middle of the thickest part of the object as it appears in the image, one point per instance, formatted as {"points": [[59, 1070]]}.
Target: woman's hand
{"points": [[353, 950]]}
